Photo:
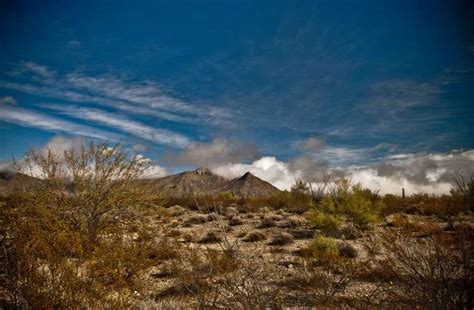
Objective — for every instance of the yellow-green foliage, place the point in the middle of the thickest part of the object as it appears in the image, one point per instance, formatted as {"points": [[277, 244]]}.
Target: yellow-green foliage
{"points": [[324, 247], [324, 220], [346, 201], [65, 244]]}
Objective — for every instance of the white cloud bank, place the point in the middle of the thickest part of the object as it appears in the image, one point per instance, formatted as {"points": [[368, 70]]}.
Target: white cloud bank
{"points": [[429, 173], [267, 168], [60, 144]]}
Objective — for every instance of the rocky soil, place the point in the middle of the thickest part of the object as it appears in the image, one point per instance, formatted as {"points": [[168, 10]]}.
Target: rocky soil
{"points": [[277, 241]]}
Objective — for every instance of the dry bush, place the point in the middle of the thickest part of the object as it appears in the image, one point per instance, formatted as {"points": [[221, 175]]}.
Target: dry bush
{"points": [[281, 238], [266, 222], [210, 237], [347, 250], [254, 236], [289, 223], [442, 206], [320, 287], [419, 229], [214, 280], [64, 245], [464, 190], [223, 200], [220, 234], [88, 188], [436, 272], [48, 264], [196, 219], [234, 221]]}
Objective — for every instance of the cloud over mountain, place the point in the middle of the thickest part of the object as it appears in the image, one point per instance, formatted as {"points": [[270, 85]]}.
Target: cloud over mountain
{"points": [[219, 151], [430, 173]]}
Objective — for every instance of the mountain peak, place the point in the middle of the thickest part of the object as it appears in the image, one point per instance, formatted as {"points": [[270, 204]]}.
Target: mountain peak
{"points": [[247, 175], [203, 171], [250, 185]]}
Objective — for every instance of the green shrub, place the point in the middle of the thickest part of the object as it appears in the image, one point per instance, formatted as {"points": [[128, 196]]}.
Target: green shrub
{"points": [[323, 220], [324, 247], [346, 201]]}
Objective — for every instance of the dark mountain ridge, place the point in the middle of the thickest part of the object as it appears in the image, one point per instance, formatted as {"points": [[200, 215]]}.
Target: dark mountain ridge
{"points": [[185, 184], [203, 182]]}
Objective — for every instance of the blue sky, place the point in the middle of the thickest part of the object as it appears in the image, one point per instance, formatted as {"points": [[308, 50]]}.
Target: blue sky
{"points": [[363, 80]]}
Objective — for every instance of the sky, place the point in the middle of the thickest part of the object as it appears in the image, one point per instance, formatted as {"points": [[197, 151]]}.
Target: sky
{"points": [[380, 91]]}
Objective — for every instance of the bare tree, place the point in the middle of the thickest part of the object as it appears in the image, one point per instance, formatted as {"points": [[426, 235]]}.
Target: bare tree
{"points": [[87, 187]]}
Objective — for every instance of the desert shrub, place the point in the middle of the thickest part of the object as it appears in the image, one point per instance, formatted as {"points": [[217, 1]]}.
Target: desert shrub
{"points": [[321, 286], [324, 220], [210, 237], [301, 198], [289, 223], [425, 204], [234, 221], [88, 188], [345, 201], [51, 266], [347, 250], [464, 190], [216, 281], [64, 242], [266, 222], [435, 272], [221, 200], [227, 199], [281, 238], [324, 247], [254, 236]]}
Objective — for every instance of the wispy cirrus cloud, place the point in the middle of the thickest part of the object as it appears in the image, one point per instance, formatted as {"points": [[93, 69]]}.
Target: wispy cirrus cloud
{"points": [[77, 97], [137, 129], [29, 118], [395, 96], [37, 69], [137, 97]]}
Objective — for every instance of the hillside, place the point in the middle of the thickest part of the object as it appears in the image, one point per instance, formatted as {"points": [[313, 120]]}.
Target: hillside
{"points": [[202, 181], [248, 186], [188, 183], [14, 182]]}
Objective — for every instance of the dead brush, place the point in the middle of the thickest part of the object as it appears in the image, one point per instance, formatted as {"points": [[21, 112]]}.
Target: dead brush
{"points": [[254, 236], [267, 222], [320, 286], [216, 281], [281, 238], [229, 247], [436, 272]]}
